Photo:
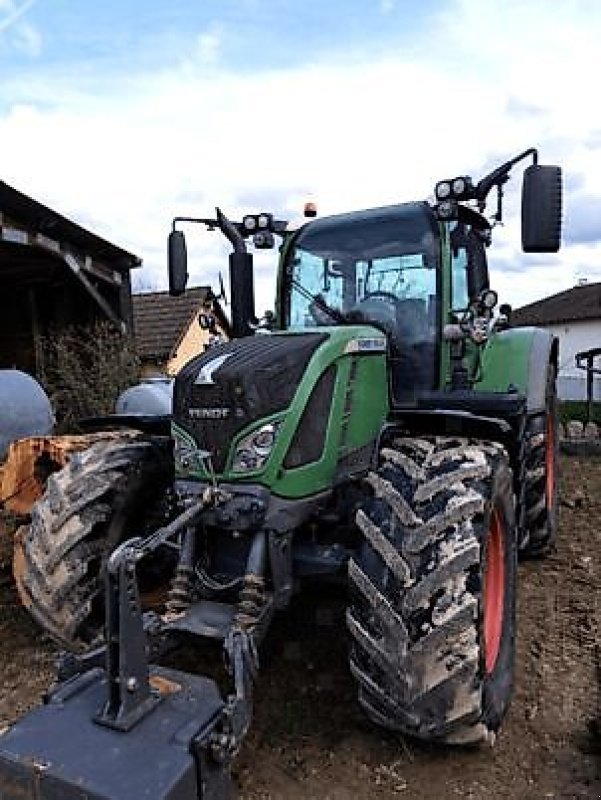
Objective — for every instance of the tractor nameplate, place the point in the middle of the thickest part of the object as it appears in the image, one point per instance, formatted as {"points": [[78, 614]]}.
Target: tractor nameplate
{"points": [[372, 345], [209, 413]]}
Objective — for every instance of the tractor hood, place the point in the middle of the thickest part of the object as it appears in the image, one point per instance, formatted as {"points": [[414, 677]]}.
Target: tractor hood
{"points": [[293, 412], [232, 385]]}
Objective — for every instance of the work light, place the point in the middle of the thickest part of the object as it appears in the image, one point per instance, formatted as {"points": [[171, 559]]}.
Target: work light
{"points": [[447, 210], [443, 190]]}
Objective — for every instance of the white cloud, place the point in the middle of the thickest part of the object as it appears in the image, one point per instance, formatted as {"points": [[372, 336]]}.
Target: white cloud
{"points": [[491, 80]]}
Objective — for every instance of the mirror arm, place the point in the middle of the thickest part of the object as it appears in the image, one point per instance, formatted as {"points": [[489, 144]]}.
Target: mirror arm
{"points": [[501, 174], [231, 232], [210, 223]]}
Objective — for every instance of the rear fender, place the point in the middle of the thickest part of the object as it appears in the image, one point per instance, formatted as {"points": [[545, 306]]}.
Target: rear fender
{"points": [[445, 422], [517, 360]]}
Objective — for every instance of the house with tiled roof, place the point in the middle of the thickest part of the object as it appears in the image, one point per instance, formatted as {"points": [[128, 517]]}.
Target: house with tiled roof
{"points": [[169, 331], [574, 316]]}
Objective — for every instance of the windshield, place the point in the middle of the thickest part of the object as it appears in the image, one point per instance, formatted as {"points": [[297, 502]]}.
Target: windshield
{"points": [[380, 264]]}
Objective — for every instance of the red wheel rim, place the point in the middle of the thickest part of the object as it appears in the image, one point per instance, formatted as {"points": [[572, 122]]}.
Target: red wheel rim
{"points": [[494, 591], [550, 462]]}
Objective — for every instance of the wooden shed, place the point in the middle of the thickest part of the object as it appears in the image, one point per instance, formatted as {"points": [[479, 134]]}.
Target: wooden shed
{"points": [[54, 274]]}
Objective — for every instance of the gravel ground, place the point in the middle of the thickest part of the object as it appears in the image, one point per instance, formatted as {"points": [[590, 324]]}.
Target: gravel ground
{"points": [[310, 740]]}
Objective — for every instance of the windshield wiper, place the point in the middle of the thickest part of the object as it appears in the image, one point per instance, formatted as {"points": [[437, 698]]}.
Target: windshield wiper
{"points": [[333, 313]]}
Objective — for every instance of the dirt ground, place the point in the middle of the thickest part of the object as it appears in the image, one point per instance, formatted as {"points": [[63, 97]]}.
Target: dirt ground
{"points": [[310, 740]]}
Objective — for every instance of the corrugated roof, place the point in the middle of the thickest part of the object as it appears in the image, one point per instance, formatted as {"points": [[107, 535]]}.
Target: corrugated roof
{"points": [[52, 224], [578, 303], [160, 320]]}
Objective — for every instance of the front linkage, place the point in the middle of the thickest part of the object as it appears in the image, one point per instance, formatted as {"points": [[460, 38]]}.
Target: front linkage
{"points": [[124, 728]]}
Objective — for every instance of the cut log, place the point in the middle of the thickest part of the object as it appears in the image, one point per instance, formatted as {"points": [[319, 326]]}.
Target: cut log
{"points": [[30, 461]]}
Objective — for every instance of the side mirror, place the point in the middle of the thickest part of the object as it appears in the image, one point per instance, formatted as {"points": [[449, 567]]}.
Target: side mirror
{"points": [[541, 209], [177, 262]]}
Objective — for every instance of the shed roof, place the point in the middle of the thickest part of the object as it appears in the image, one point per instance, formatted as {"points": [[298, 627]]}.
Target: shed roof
{"points": [[581, 302], [50, 223], [160, 320]]}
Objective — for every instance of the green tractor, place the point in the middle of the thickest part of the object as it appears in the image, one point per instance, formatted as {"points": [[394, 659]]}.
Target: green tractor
{"points": [[385, 425]]}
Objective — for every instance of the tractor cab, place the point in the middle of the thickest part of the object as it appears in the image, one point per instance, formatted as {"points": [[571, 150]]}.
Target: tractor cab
{"points": [[380, 267]]}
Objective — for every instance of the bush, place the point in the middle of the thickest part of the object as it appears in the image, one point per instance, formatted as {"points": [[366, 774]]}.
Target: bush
{"points": [[577, 409], [84, 371]]}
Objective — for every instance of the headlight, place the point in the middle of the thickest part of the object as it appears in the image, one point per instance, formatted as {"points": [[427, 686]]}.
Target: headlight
{"points": [[253, 451], [249, 222]]}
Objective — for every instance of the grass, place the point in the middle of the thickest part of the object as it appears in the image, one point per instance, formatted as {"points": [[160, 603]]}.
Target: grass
{"points": [[576, 410]]}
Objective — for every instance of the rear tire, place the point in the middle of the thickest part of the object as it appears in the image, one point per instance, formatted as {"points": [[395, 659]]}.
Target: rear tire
{"points": [[539, 478], [432, 613], [101, 497]]}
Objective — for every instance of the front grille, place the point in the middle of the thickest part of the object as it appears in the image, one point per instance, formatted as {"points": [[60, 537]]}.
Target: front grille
{"points": [[214, 434]]}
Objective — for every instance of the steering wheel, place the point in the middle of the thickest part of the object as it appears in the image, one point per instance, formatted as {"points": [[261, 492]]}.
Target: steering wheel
{"points": [[381, 307], [381, 293]]}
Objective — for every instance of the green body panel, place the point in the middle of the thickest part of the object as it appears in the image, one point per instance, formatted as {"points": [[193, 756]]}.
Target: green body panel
{"points": [[505, 361], [358, 410]]}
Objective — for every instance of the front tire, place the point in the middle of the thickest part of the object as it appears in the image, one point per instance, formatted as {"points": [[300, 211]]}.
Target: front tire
{"points": [[101, 497], [433, 588]]}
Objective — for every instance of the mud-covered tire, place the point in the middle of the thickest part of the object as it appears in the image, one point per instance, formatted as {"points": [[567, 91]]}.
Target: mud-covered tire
{"points": [[537, 511], [101, 497], [433, 589]]}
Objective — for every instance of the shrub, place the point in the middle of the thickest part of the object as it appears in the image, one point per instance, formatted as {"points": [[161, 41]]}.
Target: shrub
{"points": [[84, 371]]}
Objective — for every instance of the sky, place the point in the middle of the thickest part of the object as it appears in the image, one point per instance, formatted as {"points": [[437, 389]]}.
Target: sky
{"points": [[125, 113]]}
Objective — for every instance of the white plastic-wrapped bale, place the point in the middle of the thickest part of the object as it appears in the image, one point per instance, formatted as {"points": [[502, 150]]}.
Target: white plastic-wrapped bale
{"points": [[25, 409], [152, 396]]}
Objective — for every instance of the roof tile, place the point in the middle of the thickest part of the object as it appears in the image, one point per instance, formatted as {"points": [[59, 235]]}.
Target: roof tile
{"points": [[578, 303], [160, 320]]}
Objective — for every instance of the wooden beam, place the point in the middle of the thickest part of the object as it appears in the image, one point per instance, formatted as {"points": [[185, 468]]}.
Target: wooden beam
{"points": [[35, 331], [100, 271], [18, 235], [14, 235], [47, 243], [77, 269]]}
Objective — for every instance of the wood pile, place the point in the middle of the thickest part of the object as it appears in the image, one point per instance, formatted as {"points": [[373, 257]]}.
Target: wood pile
{"points": [[30, 461]]}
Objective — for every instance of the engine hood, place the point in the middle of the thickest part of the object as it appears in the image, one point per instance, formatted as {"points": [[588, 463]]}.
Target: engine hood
{"points": [[228, 387]]}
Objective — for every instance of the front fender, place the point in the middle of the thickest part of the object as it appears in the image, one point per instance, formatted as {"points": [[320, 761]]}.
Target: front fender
{"points": [[518, 359]]}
